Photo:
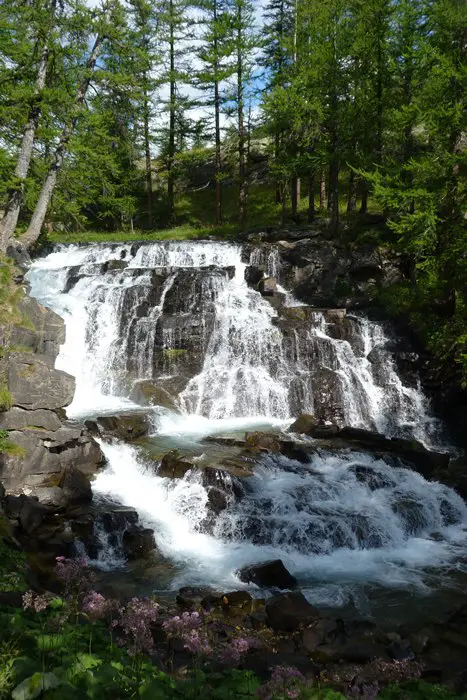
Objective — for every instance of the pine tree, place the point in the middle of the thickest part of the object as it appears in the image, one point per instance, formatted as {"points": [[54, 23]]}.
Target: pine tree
{"points": [[214, 53]]}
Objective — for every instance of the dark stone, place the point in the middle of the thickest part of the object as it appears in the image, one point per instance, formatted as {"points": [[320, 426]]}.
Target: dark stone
{"points": [[29, 513], [174, 466], [267, 286], [76, 486], [148, 393], [138, 543], [304, 424], [192, 597], [124, 426], [110, 265], [262, 442], [270, 574], [253, 275], [289, 611]]}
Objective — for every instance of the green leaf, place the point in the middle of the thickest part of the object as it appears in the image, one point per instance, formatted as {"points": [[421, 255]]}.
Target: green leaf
{"points": [[33, 686]]}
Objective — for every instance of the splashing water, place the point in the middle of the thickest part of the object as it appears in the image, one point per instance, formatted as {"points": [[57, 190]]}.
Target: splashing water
{"points": [[338, 522]]}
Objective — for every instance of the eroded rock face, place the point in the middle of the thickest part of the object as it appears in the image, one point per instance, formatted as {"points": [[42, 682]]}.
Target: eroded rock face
{"points": [[47, 444], [124, 426]]}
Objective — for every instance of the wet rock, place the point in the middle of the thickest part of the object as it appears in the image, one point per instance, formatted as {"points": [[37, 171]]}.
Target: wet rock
{"points": [[75, 486], [306, 423], [262, 442], [267, 286], [148, 393], [174, 466], [270, 574], [328, 396], [289, 611], [253, 275], [138, 543], [52, 497], [110, 265], [124, 426], [237, 602], [191, 597]]}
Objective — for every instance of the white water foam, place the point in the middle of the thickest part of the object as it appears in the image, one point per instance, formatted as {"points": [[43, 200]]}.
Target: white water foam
{"points": [[331, 529]]}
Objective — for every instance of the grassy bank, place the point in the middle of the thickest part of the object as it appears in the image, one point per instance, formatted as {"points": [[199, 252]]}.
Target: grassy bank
{"points": [[178, 233]]}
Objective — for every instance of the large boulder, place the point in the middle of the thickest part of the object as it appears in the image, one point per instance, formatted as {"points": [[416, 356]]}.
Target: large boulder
{"points": [[34, 384], [269, 574], [76, 486], [262, 442], [19, 418], [287, 612], [124, 426], [148, 393], [138, 543], [45, 453]]}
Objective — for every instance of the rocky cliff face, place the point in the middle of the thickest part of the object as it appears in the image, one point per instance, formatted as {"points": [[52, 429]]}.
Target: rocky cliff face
{"points": [[35, 421]]}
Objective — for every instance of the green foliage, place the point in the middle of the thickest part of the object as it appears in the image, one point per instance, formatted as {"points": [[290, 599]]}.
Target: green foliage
{"points": [[419, 690], [6, 399]]}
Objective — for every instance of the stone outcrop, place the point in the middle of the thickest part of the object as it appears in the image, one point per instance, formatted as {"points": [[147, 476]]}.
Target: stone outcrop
{"points": [[123, 426], [47, 444], [269, 574]]}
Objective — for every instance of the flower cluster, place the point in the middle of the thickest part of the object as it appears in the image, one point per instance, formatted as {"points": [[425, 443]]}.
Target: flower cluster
{"points": [[234, 652], [135, 622], [286, 682], [97, 607], [75, 574], [188, 627], [36, 602]]}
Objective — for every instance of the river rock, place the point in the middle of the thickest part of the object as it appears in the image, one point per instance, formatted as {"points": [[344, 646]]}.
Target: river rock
{"points": [[148, 393], [124, 426], [138, 543], [289, 611], [267, 287], [27, 511], [306, 423], [174, 466], [270, 574], [262, 442], [253, 275], [19, 418], [111, 265], [76, 486]]}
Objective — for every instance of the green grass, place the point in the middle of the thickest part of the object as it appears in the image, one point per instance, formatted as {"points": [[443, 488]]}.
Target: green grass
{"points": [[6, 398], [179, 233], [195, 212]]}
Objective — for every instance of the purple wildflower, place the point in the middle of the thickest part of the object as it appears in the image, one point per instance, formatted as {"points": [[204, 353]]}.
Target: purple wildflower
{"points": [[286, 682], [187, 627], [233, 653], [196, 643], [135, 622], [96, 606], [36, 602], [75, 575]]}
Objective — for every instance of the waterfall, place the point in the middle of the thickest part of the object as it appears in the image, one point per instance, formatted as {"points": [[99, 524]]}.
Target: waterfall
{"points": [[181, 316]]}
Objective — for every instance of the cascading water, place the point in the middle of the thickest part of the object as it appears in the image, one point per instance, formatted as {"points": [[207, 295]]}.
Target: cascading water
{"points": [[182, 316]]}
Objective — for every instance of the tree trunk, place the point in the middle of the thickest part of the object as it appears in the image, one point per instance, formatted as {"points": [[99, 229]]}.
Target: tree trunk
{"points": [[15, 195], [364, 202], [217, 126], [322, 191], [352, 200], [277, 150], [294, 197], [311, 199], [334, 162], [147, 150], [242, 195], [171, 150], [284, 202], [37, 219]]}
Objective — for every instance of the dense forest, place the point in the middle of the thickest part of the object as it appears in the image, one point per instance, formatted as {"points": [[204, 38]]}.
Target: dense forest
{"points": [[228, 115]]}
